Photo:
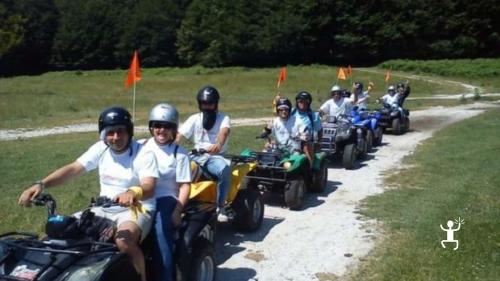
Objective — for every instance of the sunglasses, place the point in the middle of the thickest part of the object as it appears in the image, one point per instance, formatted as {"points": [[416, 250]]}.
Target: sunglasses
{"points": [[163, 125]]}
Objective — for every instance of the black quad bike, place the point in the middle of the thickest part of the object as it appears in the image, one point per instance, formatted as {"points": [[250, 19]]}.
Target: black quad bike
{"points": [[287, 174], [341, 138], [75, 248], [391, 119]]}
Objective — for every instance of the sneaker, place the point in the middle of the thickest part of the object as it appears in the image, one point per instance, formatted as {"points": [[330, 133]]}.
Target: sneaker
{"points": [[222, 215]]}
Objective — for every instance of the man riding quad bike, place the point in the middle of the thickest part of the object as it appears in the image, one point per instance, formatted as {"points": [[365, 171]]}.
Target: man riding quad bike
{"points": [[282, 167], [392, 114], [78, 247], [244, 204]]}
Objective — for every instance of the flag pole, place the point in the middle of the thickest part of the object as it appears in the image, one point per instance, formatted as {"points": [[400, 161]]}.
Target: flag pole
{"points": [[133, 103]]}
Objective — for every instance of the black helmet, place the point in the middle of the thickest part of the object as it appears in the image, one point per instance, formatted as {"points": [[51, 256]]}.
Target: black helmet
{"points": [[358, 85], [284, 102], [116, 116], [208, 94], [400, 85], [303, 95]]}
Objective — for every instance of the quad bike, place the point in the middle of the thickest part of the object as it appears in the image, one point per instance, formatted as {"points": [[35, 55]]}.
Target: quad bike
{"points": [[369, 123], [391, 118], [244, 203], [342, 138], [287, 174], [76, 249]]}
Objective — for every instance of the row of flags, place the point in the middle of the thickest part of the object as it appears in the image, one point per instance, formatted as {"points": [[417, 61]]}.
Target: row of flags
{"points": [[134, 75]]}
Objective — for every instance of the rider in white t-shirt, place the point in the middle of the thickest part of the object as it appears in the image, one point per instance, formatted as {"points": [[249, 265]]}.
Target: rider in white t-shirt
{"points": [[289, 131], [126, 174], [362, 95], [338, 105], [209, 130], [173, 186]]}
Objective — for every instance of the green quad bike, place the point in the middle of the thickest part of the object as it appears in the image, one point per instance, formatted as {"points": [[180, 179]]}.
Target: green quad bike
{"points": [[287, 174]]}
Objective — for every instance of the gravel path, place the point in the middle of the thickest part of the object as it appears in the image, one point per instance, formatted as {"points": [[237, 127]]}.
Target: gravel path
{"points": [[327, 238]]}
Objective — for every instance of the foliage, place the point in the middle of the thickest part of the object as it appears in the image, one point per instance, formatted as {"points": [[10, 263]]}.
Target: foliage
{"points": [[99, 34]]}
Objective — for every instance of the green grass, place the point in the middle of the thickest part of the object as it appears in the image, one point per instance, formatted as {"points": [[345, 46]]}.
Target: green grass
{"points": [[484, 73], [459, 67], [454, 174], [61, 98], [25, 161]]}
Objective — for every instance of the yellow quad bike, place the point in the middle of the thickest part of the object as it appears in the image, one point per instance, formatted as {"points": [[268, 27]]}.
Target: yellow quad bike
{"points": [[244, 203]]}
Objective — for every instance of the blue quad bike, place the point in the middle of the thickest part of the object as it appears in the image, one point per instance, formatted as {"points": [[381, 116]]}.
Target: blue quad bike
{"points": [[341, 138], [369, 123], [391, 118], [75, 249]]}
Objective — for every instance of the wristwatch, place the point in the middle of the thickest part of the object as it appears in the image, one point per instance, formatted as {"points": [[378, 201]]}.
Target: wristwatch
{"points": [[40, 183]]}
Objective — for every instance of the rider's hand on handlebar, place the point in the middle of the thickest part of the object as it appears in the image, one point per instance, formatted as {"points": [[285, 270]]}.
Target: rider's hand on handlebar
{"points": [[29, 194], [214, 149], [125, 198]]}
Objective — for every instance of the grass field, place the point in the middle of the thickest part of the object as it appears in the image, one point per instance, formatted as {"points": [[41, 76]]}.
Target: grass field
{"points": [[61, 98], [454, 174], [25, 161], [484, 73]]}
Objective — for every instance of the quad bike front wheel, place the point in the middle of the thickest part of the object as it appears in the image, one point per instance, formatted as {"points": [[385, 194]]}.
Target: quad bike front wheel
{"points": [[369, 141], [249, 208], [396, 126], [294, 193], [349, 156], [320, 178], [379, 133], [201, 266]]}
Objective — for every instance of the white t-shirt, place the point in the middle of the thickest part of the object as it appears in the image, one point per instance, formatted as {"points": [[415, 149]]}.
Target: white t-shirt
{"points": [[332, 108], [286, 132], [118, 172], [172, 170], [387, 99], [193, 127], [362, 100]]}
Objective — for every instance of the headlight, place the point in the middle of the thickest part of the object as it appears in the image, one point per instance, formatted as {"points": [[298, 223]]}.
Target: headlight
{"points": [[287, 165], [394, 113], [87, 272]]}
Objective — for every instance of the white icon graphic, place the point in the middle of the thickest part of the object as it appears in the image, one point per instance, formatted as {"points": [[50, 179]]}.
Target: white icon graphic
{"points": [[450, 232]]}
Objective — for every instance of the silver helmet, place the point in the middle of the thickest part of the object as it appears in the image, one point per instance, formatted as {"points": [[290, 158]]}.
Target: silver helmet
{"points": [[336, 88], [164, 112]]}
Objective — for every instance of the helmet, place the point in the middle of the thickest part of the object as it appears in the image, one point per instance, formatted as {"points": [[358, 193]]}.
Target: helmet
{"points": [[164, 112], [208, 94], [335, 88], [113, 116], [303, 95], [358, 85], [284, 103], [391, 88], [400, 85]]}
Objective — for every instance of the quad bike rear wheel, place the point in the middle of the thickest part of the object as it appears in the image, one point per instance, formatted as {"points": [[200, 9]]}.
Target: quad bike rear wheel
{"points": [[249, 209], [320, 178], [201, 266], [294, 193]]}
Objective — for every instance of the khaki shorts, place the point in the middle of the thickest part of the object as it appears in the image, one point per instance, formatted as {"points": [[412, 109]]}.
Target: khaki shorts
{"points": [[120, 215]]}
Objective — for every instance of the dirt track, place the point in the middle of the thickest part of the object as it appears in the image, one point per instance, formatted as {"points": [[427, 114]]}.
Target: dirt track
{"points": [[327, 237]]}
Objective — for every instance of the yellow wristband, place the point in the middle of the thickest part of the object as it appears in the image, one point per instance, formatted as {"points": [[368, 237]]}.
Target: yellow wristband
{"points": [[137, 190]]}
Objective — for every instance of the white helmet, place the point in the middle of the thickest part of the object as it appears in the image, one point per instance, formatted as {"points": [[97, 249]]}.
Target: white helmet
{"points": [[164, 112], [336, 88]]}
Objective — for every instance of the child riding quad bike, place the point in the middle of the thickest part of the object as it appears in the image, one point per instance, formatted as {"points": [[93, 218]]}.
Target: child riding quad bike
{"points": [[283, 167], [78, 247]]}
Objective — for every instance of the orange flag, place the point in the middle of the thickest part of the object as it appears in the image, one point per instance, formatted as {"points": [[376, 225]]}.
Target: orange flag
{"points": [[349, 70], [134, 72], [341, 74], [282, 76], [387, 76]]}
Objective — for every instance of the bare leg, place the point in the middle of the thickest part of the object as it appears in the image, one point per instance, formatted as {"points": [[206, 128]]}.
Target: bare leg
{"points": [[127, 241]]}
